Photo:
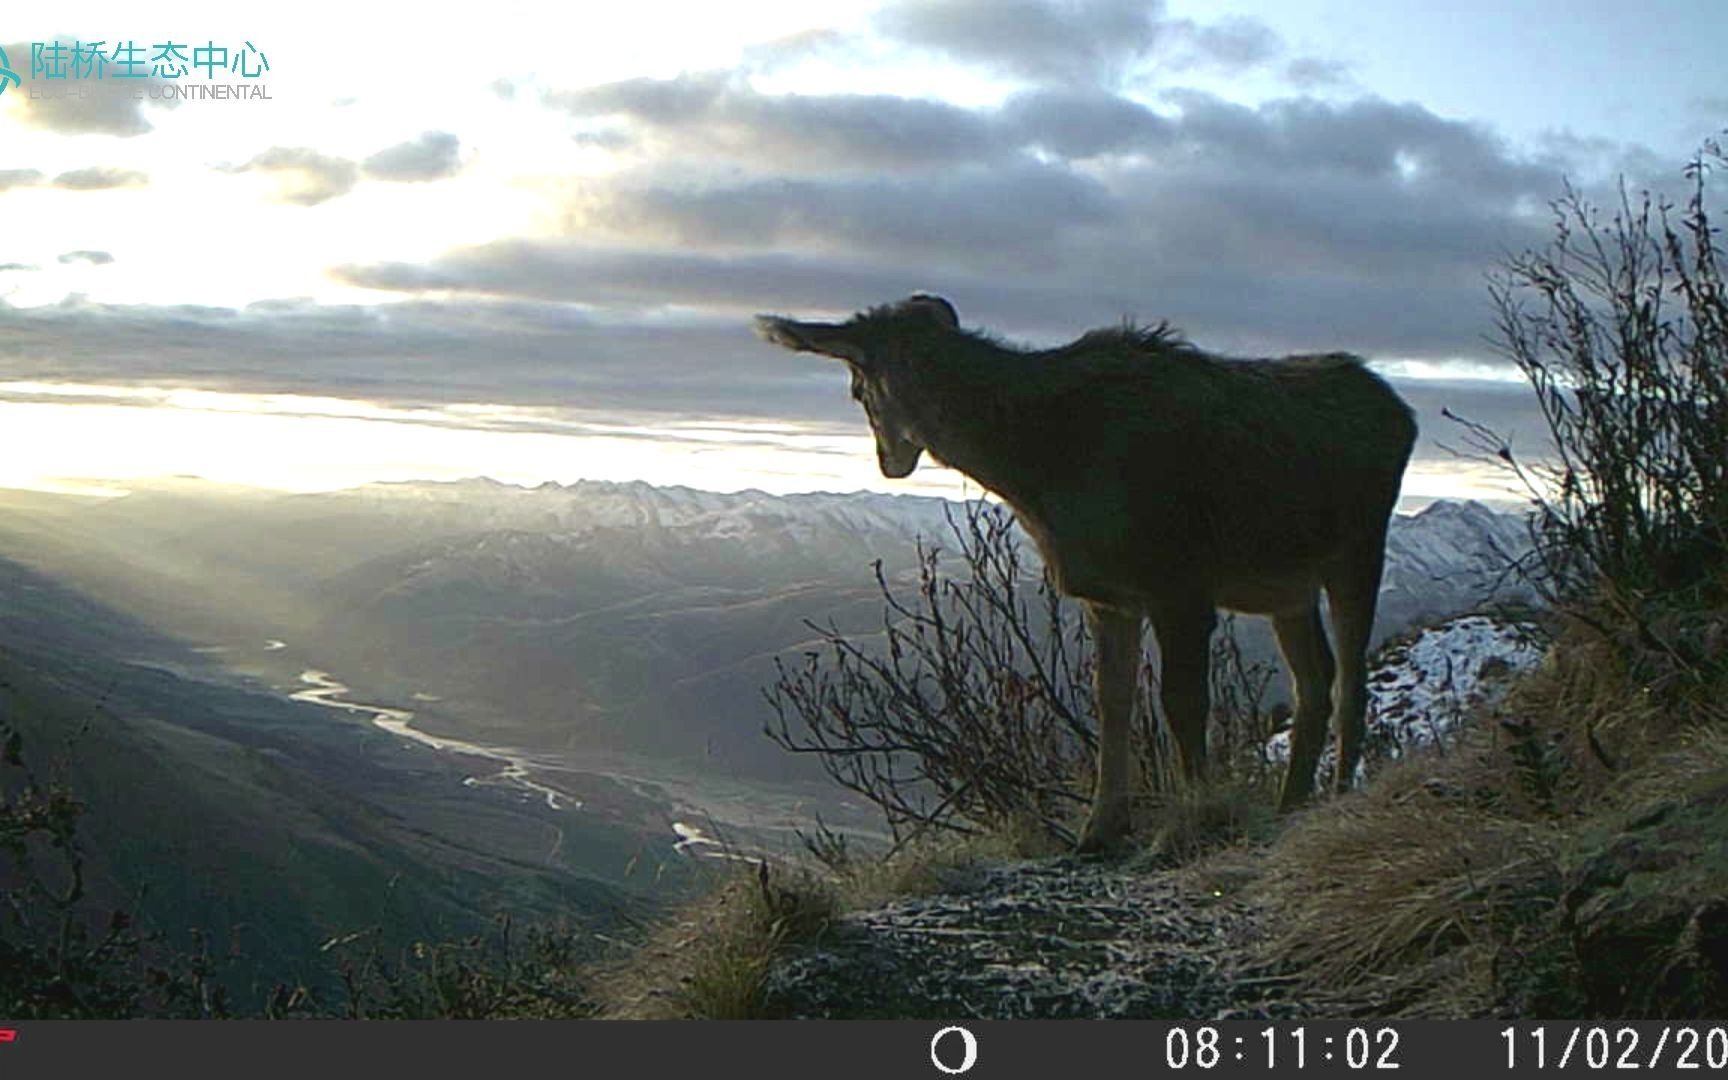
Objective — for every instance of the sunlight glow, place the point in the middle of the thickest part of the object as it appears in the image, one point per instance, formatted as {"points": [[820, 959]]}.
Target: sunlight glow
{"points": [[1452, 369], [92, 439], [54, 437]]}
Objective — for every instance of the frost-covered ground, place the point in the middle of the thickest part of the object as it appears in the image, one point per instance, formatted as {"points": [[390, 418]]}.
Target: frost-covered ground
{"points": [[1074, 938], [1052, 939]]}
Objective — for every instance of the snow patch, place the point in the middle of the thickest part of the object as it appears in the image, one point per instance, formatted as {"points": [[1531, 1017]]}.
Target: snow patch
{"points": [[1422, 688]]}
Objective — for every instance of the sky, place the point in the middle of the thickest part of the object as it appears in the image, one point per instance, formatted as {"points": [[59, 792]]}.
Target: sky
{"points": [[526, 240]]}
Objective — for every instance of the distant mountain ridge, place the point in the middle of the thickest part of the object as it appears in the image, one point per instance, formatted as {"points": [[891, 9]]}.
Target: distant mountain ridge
{"points": [[1441, 541], [690, 514]]}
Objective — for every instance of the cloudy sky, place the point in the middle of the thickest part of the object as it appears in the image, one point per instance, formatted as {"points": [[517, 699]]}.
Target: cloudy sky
{"points": [[524, 240]]}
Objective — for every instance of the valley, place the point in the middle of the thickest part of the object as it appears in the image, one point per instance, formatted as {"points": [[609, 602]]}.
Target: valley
{"points": [[544, 700]]}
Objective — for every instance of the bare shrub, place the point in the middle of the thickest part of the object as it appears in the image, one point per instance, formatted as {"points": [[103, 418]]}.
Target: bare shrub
{"points": [[1621, 327], [972, 710]]}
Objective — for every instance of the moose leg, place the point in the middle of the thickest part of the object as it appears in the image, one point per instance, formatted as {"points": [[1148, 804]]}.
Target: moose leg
{"points": [[1185, 658], [1351, 593], [1117, 636], [1302, 640]]}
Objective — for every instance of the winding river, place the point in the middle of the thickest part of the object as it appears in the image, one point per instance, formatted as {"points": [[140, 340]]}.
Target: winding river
{"points": [[514, 766], [321, 689]]}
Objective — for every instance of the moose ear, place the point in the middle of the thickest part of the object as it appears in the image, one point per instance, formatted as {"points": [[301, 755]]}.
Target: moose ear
{"points": [[825, 338], [934, 307]]}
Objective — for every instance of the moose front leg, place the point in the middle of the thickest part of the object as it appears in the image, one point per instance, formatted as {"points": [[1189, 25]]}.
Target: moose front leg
{"points": [[1117, 636]]}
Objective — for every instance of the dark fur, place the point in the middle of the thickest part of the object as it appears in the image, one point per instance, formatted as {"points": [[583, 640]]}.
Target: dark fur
{"points": [[1160, 480]]}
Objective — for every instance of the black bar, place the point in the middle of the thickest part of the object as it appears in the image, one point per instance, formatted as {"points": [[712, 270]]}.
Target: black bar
{"points": [[839, 1050]]}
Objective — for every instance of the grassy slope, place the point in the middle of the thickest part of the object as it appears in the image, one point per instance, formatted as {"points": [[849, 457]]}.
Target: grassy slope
{"points": [[1564, 859]]}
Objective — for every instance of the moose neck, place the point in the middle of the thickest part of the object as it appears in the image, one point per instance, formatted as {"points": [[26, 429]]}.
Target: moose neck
{"points": [[967, 404]]}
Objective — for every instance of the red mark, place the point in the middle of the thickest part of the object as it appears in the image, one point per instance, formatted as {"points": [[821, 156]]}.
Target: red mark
{"points": [[8, 1034]]}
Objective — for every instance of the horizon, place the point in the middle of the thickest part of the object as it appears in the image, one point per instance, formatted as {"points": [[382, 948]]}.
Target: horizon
{"points": [[1407, 506], [545, 270]]}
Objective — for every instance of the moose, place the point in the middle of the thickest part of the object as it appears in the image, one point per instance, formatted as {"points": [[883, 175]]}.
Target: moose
{"points": [[1158, 482]]}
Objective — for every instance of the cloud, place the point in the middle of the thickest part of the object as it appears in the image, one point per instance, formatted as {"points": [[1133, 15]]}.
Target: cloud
{"points": [[605, 139], [1079, 124], [1231, 307], [1597, 156], [11, 178], [87, 106], [1395, 143], [414, 353], [94, 258], [100, 178], [433, 156], [15, 266], [308, 177], [1089, 41], [1315, 73], [1298, 225], [816, 42], [1231, 44], [716, 119], [637, 279], [1071, 42], [717, 114], [1006, 215]]}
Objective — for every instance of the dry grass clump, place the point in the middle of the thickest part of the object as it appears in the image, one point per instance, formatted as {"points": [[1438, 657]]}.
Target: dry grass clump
{"points": [[1694, 762], [937, 863], [1199, 821], [1564, 838], [711, 960], [1397, 899], [1589, 718]]}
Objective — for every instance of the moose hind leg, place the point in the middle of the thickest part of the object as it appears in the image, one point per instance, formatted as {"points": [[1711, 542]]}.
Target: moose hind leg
{"points": [[1351, 593], [1302, 640], [1117, 637], [1185, 658]]}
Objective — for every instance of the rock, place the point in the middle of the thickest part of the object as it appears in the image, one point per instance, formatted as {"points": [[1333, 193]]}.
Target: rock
{"points": [[1059, 939], [1648, 912]]}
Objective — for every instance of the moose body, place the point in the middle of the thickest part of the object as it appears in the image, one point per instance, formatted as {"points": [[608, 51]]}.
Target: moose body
{"points": [[1159, 483]]}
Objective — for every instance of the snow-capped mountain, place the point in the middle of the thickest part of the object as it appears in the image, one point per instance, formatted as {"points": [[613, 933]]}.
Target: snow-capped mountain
{"points": [[655, 609], [1450, 557], [597, 504], [1446, 558]]}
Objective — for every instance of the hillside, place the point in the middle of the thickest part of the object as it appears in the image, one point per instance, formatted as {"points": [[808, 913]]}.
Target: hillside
{"points": [[271, 825]]}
